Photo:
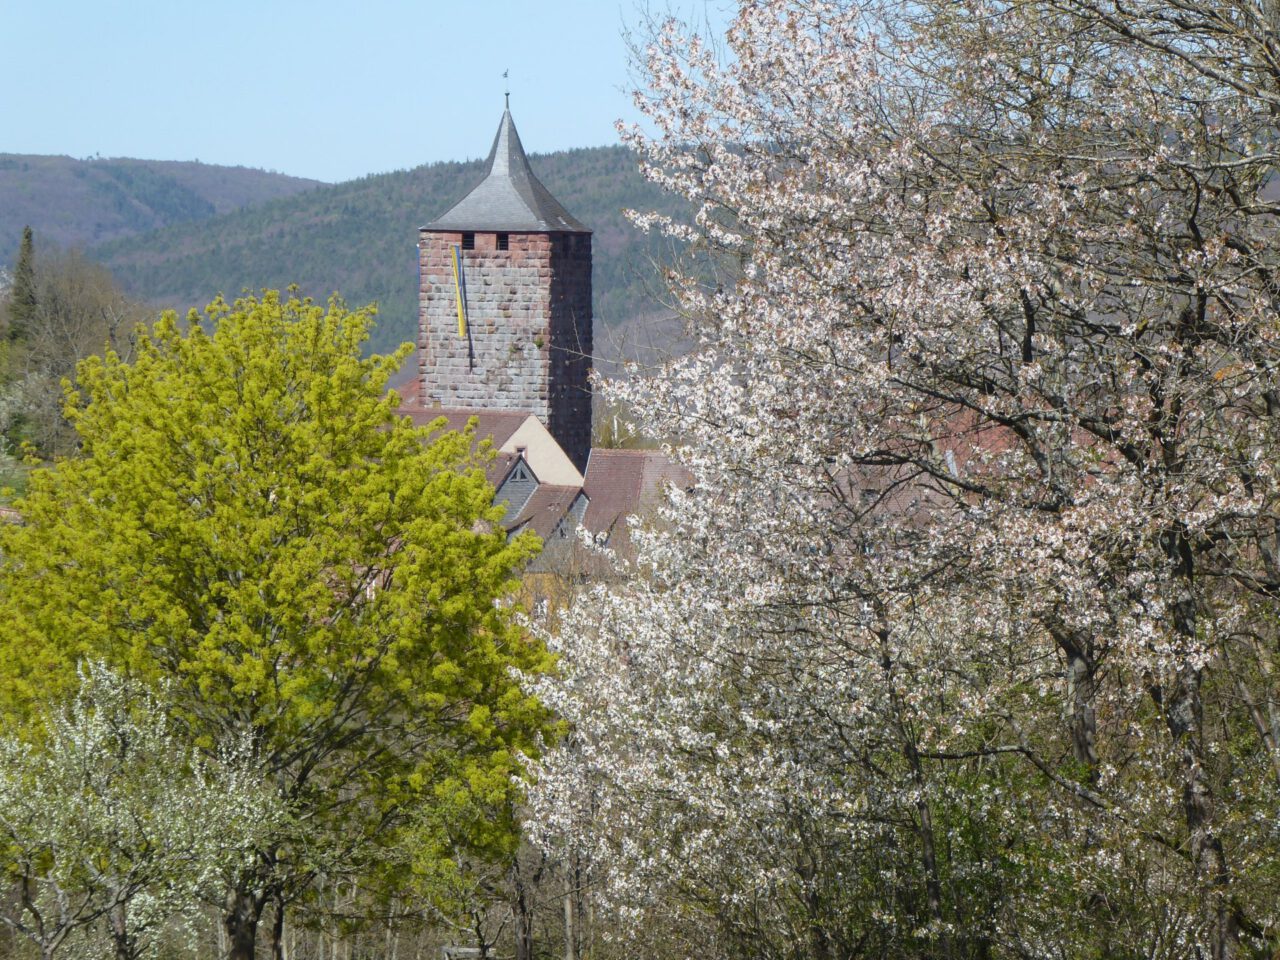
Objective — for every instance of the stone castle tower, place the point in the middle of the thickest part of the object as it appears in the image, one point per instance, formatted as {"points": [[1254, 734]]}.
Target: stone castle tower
{"points": [[526, 274]]}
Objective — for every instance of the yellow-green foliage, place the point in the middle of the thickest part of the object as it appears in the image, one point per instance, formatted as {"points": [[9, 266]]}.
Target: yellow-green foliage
{"points": [[249, 517]]}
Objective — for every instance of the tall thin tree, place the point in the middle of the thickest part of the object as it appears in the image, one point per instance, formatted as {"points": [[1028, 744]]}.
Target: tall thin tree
{"points": [[22, 303]]}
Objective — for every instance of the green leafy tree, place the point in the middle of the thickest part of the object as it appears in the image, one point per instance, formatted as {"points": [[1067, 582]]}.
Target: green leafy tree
{"points": [[250, 519]]}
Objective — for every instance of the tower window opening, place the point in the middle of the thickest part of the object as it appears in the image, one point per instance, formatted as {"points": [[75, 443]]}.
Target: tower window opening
{"points": [[468, 241], [504, 241]]}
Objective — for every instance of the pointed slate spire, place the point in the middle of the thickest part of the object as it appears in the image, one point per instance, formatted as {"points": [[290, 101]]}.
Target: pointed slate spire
{"points": [[509, 198]]}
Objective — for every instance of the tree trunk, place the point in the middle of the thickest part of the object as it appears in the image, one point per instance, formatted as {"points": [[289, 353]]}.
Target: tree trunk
{"points": [[1184, 717], [522, 916], [807, 871], [126, 947], [570, 925], [924, 813], [241, 923], [928, 850], [277, 929], [1082, 687]]}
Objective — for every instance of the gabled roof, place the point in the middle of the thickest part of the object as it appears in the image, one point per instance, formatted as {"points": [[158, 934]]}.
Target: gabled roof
{"points": [[509, 198], [500, 468], [545, 509], [510, 431]]}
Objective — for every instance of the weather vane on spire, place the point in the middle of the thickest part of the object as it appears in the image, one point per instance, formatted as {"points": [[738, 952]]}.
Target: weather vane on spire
{"points": [[506, 88]]}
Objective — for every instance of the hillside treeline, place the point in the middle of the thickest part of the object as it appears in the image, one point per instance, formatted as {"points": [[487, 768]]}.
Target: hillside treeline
{"points": [[360, 237], [76, 203]]}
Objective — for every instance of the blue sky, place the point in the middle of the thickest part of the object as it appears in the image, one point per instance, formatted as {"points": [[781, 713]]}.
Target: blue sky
{"points": [[314, 88]]}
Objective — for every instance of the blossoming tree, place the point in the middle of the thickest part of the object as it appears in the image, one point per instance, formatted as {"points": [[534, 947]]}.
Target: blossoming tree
{"points": [[964, 643], [114, 828]]}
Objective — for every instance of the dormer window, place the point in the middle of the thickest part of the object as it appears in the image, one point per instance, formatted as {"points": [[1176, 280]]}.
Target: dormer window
{"points": [[468, 241], [504, 241]]}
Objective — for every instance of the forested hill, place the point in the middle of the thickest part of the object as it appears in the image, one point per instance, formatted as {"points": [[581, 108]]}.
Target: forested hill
{"points": [[359, 238], [77, 203]]}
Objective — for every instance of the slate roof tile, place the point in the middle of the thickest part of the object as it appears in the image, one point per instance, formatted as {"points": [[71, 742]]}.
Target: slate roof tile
{"points": [[509, 198]]}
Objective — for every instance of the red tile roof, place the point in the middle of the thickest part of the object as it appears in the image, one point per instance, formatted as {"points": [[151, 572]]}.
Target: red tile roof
{"points": [[410, 392], [620, 483], [497, 425]]}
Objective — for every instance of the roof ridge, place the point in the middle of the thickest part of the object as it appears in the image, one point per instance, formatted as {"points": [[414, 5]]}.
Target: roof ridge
{"points": [[628, 452]]}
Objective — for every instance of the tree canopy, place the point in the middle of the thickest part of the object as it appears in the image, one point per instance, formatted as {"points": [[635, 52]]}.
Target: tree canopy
{"points": [[248, 520]]}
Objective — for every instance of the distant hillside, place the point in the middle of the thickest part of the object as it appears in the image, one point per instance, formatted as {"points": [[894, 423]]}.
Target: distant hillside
{"points": [[77, 203], [360, 238]]}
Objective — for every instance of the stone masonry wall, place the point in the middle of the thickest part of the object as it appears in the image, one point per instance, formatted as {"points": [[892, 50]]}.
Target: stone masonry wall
{"points": [[509, 310], [530, 316]]}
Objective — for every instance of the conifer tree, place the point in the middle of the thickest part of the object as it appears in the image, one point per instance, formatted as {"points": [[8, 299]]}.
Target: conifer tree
{"points": [[22, 301]]}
